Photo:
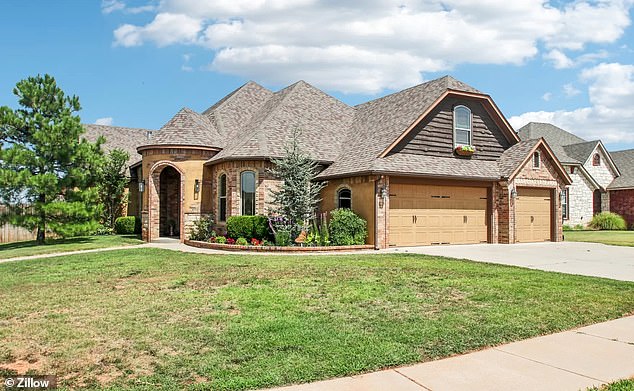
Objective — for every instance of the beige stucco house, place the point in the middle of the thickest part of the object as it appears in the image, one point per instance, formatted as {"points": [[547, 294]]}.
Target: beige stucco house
{"points": [[398, 161]]}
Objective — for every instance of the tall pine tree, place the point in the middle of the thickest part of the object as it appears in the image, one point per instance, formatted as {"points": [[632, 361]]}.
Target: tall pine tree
{"points": [[298, 195], [48, 173]]}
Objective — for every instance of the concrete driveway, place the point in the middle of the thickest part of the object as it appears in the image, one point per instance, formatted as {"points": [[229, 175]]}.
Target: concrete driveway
{"points": [[588, 259]]}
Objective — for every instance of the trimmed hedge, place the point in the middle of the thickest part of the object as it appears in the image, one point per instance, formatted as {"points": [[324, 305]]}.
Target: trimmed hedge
{"points": [[346, 228], [248, 227], [125, 225], [608, 221]]}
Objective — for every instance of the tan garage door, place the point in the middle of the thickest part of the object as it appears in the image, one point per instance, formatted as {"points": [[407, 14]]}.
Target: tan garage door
{"points": [[533, 215], [424, 214]]}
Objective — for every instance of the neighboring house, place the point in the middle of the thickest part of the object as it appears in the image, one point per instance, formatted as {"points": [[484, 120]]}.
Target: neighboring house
{"points": [[622, 189], [392, 160], [588, 164]]}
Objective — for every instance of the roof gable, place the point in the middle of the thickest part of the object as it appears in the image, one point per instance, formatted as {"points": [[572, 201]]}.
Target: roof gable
{"points": [[624, 160], [515, 158]]}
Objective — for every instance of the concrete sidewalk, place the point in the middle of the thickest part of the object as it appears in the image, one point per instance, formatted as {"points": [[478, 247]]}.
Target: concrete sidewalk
{"points": [[572, 360]]}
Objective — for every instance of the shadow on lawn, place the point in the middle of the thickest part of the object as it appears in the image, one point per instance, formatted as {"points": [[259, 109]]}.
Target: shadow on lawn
{"points": [[50, 242]]}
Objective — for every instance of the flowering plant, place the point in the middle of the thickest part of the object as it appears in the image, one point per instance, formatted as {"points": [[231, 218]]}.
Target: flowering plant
{"points": [[465, 150], [231, 241], [255, 242]]}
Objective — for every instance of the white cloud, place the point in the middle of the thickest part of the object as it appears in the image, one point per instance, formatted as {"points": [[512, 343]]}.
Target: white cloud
{"points": [[609, 117], [547, 96], [165, 29], [354, 46], [110, 6], [186, 67], [570, 90], [104, 121], [559, 59]]}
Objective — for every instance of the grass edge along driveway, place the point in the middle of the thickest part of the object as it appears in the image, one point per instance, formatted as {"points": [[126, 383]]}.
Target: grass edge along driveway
{"points": [[149, 318], [613, 238]]}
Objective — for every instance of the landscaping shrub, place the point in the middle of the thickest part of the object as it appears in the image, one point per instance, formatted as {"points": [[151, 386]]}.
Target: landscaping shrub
{"points": [[241, 242], [203, 229], [567, 227], [608, 221], [221, 240], [282, 238], [102, 230], [124, 225], [248, 227], [346, 228]]}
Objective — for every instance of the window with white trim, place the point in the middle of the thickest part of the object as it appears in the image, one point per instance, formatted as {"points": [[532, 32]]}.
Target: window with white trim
{"points": [[247, 192], [462, 125], [344, 198], [564, 204], [222, 198]]}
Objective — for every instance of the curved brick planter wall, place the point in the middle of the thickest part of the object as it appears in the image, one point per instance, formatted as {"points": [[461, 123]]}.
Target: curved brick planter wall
{"points": [[233, 247]]}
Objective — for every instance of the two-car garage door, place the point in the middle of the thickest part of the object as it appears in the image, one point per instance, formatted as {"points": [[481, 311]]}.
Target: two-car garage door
{"points": [[425, 214]]}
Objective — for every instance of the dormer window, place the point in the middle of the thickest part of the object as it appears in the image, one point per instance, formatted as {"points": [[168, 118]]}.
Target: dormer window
{"points": [[536, 160], [596, 160], [462, 125]]}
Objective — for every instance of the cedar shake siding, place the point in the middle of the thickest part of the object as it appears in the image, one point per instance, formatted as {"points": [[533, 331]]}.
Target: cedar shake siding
{"points": [[434, 135]]}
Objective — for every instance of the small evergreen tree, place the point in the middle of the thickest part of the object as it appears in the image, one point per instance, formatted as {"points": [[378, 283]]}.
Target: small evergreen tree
{"points": [[113, 183], [47, 174], [297, 197]]}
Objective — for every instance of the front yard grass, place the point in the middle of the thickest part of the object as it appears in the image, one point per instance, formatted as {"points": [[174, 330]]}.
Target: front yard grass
{"points": [[615, 238], [150, 318], [621, 385], [30, 247]]}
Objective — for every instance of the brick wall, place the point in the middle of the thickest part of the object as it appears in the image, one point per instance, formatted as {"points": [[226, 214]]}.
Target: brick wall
{"points": [[622, 202]]}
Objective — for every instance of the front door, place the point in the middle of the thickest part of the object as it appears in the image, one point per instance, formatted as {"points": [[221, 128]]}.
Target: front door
{"points": [[596, 202]]}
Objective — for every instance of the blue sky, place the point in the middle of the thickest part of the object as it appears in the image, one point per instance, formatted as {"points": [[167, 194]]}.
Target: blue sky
{"points": [[136, 63]]}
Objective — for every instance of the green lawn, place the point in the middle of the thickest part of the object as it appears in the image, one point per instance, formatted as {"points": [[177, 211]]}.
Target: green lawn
{"points": [[617, 238], [622, 385], [150, 318], [26, 248]]}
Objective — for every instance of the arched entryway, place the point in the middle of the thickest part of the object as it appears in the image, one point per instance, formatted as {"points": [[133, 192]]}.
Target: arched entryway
{"points": [[169, 202], [165, 206], [596, 202]]}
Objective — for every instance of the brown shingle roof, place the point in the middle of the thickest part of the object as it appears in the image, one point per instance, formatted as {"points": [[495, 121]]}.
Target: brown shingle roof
{"points": [[514, 156], [188, 128], [323, 122], [556, 138], [124, 138], [624, 160]]}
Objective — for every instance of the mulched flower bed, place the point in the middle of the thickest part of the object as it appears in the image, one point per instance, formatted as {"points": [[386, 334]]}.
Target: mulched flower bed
{"points": [[233, 247]]}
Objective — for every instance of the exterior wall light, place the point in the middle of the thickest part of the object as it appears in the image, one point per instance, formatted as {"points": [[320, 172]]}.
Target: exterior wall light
{"points": [[141, 185], [513, 193], [196, 186]]}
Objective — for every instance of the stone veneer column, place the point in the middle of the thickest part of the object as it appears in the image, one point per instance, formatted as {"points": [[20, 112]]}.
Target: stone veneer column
{"points": [[382, 213]]}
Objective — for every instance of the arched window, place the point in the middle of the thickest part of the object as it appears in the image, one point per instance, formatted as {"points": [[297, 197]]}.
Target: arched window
{"points": [[222, 198], [596, 160], [344, 198], [536, 160], [247, 189], [462, 125]]}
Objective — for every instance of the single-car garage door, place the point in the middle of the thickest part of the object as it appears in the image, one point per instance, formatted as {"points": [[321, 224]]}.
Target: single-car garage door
{"points": [[425, 214], [533, 215]]}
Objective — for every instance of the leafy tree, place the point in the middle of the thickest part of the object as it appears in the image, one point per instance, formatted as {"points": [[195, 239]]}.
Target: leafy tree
{"points": [[113, 183], [47, 174], [297, 197]]}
